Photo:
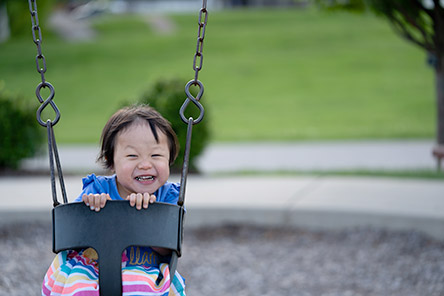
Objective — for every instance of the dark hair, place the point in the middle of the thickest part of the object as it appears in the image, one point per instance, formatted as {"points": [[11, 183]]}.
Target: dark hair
{"points": [[124, 118]]}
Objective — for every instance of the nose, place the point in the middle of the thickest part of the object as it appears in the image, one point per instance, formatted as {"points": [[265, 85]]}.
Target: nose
{"points": [[144, 164]]}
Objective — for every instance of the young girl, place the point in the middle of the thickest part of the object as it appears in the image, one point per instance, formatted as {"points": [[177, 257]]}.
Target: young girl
{"points": [[138, 145]]}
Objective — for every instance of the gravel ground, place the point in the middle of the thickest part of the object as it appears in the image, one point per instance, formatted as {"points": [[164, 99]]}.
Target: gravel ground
{"points": [[248, 260]]}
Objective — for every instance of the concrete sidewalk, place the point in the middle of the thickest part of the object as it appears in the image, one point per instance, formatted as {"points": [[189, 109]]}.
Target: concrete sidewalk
{"points": [[311, 201], [277, 156], [315, 202]]}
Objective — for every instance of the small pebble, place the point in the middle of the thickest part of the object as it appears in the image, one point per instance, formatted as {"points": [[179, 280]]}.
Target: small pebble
{"points": [[246, 260]]}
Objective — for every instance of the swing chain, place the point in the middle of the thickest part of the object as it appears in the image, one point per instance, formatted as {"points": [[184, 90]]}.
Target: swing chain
{"points": [[40, 61], [198, 56], [54, 159], [197, 66], [37, 37]]}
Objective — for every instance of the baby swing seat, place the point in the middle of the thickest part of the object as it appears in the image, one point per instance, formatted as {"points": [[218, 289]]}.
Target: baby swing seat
{"points": [[117, 227]]}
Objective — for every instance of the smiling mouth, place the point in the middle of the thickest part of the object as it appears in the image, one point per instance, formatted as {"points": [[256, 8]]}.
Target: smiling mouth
{"points": [[145, 178]]}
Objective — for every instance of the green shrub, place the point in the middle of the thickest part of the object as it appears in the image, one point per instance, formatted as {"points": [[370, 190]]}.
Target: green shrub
{"points": [[20, 134], [167, 96], [20, 17]]}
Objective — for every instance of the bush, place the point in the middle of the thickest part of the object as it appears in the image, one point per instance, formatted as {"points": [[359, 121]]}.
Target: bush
{"points": [[20, 134], [167, 96], [20, 17]]}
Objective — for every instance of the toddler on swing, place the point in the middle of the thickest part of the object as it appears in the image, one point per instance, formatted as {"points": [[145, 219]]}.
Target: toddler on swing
{"points": [[138, 145]]}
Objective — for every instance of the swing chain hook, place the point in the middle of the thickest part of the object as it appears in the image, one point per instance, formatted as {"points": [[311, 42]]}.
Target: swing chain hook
{"points": [[54, 159], [195, 101], [197, 66], [41, 69]]}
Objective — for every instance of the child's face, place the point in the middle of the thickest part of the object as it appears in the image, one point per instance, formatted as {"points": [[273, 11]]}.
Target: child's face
{"points": [[140, 163]]}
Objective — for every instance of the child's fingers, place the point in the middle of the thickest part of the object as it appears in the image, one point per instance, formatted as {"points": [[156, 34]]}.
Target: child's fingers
{"points": [[85, 199], [103, 199], [95, 201], [139, 201], [152, 198], [146, 200], [98, 201], [91, 201], [132, 199]]}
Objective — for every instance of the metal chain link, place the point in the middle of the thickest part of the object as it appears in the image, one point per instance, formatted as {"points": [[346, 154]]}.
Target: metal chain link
{"points": [[198, 56], [40, 61], [197, 66], [41, 69], [36, 28]]}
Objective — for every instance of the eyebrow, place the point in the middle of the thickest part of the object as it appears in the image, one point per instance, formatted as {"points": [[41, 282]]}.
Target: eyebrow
{"points": [[129, 147]]}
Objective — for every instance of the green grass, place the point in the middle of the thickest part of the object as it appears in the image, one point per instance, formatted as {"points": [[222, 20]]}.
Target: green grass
{"points": [[402, 174], [268, 75]]}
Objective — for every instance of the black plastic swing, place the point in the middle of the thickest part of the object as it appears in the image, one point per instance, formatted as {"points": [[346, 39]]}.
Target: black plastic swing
{"points": [[118, 225]]}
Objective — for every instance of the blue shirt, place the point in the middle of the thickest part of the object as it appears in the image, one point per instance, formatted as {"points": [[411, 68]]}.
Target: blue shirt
{"points": [[168, 193]]}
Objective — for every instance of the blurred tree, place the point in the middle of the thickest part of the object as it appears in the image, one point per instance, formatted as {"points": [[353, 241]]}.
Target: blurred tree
{"points": [[418, 21], [167, 96], [19, 18], [21, 136]]}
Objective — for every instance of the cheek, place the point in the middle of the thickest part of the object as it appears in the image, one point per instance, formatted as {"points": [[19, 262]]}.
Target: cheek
{"points": [[164, 167], [123, 167]]}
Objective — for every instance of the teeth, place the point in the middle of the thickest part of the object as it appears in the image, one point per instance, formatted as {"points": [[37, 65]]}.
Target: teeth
{"points": [[144, 178]]}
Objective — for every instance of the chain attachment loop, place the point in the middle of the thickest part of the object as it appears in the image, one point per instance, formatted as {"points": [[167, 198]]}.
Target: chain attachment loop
{"points": [[197, 66], [54, 159], [40, 61], [45, 103], [195, 100]]}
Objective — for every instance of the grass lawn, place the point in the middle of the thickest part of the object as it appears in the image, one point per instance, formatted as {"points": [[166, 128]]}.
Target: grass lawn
{"points": [[401, 174], [268, 75]]}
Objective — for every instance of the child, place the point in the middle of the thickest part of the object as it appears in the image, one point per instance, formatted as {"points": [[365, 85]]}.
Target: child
{"points": [[138, 145]]}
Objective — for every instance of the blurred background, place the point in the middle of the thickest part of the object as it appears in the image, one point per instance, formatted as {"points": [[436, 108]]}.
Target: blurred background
{"points": [[316, 174], [272, 70]]}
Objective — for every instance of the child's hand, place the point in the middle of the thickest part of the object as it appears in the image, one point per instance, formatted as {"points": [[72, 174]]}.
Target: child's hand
{"points": [[139, 200], [96, 201]]}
